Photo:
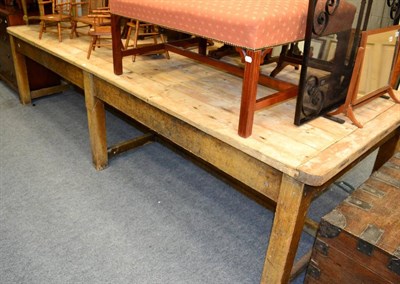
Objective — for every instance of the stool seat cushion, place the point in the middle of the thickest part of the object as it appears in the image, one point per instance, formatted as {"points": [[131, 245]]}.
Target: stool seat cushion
{"points": [[252, 24]]}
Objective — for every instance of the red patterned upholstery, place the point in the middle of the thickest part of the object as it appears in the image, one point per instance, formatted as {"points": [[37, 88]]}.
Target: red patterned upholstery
{"points": [[252, 24]]}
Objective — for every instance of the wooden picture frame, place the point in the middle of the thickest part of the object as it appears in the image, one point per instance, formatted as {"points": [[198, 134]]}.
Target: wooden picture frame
{"points": [[388, 37]]}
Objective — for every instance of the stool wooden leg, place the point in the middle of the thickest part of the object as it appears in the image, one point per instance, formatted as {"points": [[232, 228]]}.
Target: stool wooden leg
{"points": [[203, 46], [249, 92], [116, 44], [281, 64]]}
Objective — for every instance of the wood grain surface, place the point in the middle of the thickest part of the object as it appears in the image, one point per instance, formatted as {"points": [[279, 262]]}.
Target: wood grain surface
{"points": [[209, 100]]}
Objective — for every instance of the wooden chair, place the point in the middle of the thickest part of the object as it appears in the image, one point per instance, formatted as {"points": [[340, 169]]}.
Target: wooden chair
{"points": [[143, 30], [100, 33], [82, 13], [60, 13]]}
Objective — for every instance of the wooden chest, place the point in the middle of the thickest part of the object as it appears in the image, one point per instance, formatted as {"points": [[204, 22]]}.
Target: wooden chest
{"points": [[359, 241]]}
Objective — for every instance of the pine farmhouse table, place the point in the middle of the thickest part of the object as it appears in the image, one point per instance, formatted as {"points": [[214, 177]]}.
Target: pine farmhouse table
{"points": [[195, 107]]}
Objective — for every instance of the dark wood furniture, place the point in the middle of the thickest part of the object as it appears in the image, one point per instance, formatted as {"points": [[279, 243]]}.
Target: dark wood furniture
{"points": [[42, 81], [8, 17]]}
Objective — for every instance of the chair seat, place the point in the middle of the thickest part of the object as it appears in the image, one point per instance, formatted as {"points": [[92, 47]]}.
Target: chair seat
{"points": [[55, 17], [90, 20], [100, 31]]}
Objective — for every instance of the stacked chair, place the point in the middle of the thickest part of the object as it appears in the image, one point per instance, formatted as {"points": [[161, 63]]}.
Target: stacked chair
{"points": [[143, 30]]}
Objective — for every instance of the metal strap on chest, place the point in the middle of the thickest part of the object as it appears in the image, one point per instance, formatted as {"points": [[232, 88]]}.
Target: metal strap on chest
{"points": [[394, 263], [369, 238]]}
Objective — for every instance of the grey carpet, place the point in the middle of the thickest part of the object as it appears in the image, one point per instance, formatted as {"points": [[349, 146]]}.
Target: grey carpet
{"points": [[150, 217]]}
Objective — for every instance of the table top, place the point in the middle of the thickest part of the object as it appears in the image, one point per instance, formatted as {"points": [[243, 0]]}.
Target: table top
{"points": [[209, 99]]}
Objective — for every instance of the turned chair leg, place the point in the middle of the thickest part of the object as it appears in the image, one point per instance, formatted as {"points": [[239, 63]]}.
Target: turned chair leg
{"points": [[128, 36], [74, 30], [163, 41], [59, 32], [41, 29], [135, 39], [92, 46]]}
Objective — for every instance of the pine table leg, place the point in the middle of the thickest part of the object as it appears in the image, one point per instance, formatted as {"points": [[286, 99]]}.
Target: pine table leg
{"points": [[21, 74], [291, 210], [96, 123], [387, 150]]}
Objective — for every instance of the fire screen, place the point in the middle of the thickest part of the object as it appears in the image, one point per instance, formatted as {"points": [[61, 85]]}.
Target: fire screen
{"points": [[331, 41]]}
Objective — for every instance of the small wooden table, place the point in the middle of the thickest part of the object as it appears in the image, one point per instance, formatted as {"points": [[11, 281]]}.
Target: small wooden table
{"points": [[196, 107]]}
